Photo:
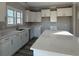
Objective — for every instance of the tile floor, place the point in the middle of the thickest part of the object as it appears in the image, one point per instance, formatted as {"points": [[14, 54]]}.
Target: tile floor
{"points": [[25, 50]]}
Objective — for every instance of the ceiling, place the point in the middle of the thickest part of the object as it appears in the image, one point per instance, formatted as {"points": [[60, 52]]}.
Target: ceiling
{"points": [[37, 6], [47, 4]]}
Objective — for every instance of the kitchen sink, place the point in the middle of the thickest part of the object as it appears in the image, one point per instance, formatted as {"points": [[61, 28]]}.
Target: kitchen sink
{"points": [[19, 29]]}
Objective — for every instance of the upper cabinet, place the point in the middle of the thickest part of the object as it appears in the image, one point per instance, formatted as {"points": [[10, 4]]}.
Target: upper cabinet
{"points": [[64, 12], [45, 13], [32, 16], [38, 17], [27, 16], [2, 11], [53, 16]]}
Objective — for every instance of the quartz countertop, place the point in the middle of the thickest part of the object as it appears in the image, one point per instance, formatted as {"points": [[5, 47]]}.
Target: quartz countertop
{"points": [[6, 32], [57, 41]]}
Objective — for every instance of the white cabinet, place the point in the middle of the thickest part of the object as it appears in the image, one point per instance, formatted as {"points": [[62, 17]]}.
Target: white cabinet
{"points": [[64, 12], [31, 32], [53, 16], [37, 16], [35, 31], [5, 47], [45, 12], [27, 16], [32, 16], [2, 11], [25, 36], [19, 39], [9, 45], [14, 42]]}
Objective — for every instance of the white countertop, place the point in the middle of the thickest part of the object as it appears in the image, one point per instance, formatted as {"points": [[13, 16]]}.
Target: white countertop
{"points": [[6, 32], [60, 41]]}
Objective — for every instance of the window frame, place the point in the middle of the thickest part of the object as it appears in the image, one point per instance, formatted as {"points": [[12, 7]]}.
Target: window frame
{"points": [[14, 16], [21, 17]]}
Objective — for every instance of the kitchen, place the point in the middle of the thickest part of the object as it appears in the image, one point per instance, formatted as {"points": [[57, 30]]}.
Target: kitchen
{"points": [[24, 25]]}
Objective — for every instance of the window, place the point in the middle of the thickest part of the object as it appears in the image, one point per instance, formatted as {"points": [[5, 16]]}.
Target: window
{"points": [[19, 18], [14, 16], [10, 16]]}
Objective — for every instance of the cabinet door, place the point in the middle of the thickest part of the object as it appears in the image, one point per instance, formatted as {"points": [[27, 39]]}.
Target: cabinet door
{"points": [[68, 11], [5, 47], [32, 16], [64, 12], [31, 33], [27, 35], [33, 19], [25, 39], [18, 40], [45, 12], [38, 17], [60, 12], [2, 11], [14, 42], [26, 16], [37, 31], [53, 16]]}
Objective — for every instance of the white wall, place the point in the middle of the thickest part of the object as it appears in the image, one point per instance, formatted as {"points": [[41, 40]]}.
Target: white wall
{"points": [[77, 21]]}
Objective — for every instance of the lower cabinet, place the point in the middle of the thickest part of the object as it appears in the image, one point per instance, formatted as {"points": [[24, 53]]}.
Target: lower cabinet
{"points": [[35, 31], [5, 47], [25, 36], [14, 43], [9, 45]]}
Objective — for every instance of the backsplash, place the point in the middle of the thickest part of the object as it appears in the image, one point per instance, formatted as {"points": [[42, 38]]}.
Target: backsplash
{"points": [[45, 24], [63, 23], [2, 25]]}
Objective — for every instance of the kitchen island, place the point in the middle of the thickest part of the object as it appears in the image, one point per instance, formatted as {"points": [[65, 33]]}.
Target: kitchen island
{"points": [[58, 43]]}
